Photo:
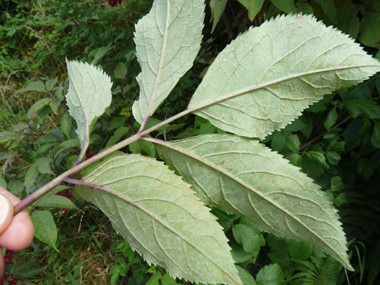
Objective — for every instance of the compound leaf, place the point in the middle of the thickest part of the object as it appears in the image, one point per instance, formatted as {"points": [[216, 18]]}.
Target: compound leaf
{"points": [[88, 96], [167, 41], [161, 218], [242, 176], [266, 77]]}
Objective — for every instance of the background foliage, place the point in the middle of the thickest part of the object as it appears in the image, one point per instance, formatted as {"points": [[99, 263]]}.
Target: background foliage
{"points": [[336, 141]]}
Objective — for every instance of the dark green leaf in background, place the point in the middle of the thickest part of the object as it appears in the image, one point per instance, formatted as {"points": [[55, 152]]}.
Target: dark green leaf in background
{"points": [[279, 142], [333, 157], [135, 147], [340, 200], [367, 108], [331, 119], [336, 184], [375, 138], [224, 219], [16, 187], [148, 147], [38, 106], [317, 158], [3, 183], [118, 135], [370, 29], [31, 176], [51, 83], [365, 168], [304, 7], [253, 7], [154, 280], [270, 275], [281, 258], [245, 277], [27, 269], [352, 130], [296, 159], [348, 21], [299, 250], [43, 165], [366, 129], [245, 221], [64, 11], [100, 53], [328, 7], [120, 70], [37, 86], [116, 123], [217, 8], [285, 5], [168, 280], [238, 253], [54, 105], [293, 142], [247, 237], [7, 136], [45, 228], [66, 122], [55, 201], [295, 126], [361, 91]]}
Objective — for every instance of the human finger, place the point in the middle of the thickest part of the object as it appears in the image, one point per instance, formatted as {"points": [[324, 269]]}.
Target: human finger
{"points": [[6, 213], [19, 234]]}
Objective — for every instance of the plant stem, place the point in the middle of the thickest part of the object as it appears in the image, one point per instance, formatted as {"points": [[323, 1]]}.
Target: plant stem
{"points": [[325, 133], [141, 133], [77, 168]]}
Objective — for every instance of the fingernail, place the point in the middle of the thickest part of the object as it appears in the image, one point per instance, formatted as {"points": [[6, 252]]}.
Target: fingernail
{"points": [[6, 213]]}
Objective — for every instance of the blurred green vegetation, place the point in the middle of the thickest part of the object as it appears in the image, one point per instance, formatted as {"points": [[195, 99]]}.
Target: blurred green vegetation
{"points": [[336, 141]]}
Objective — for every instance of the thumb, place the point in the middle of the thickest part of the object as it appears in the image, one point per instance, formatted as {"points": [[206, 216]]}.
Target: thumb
{"points": [[6, 213]]}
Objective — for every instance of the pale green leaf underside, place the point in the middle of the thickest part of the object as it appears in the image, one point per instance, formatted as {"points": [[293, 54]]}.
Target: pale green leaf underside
{"points": [[88, 96], [243, 176], [265, 78], [167, 41], [161, 218]]}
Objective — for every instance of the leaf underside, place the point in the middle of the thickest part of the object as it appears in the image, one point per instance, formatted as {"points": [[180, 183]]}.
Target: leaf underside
{"points": [[167, 41], [242, 176], [88, 96], [161, 218], [265, 78]]}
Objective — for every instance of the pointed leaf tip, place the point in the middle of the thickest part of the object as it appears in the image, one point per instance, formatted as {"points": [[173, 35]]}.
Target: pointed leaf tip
{"points": [[161, 218], [167, 42], [243, 176], [266, 77], [88, 96]]}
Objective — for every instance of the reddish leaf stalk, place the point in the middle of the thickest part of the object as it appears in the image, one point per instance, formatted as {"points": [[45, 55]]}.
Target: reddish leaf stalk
{"points": [[313, 140]]}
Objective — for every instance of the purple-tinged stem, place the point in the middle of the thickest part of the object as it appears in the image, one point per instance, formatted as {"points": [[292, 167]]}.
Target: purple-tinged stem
{"points": [[77, 168]]}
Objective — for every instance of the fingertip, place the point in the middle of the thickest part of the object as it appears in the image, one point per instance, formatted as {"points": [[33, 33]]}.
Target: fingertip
{"points": [[19, 234], [6, 213]]}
